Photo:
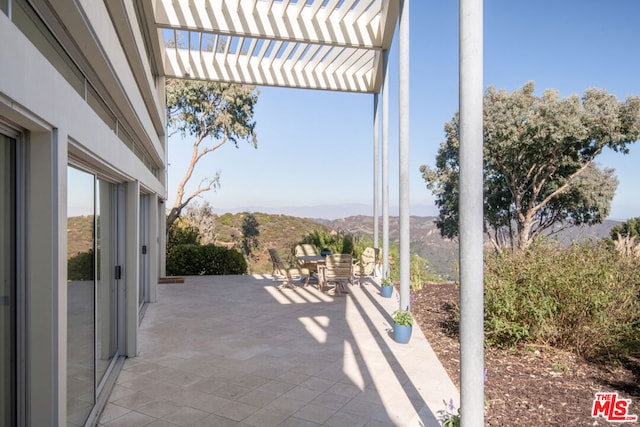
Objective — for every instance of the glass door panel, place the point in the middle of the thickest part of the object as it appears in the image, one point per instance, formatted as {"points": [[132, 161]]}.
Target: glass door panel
{"points": [[81, 274], [7, 283], [106, 286], [144, 263]]}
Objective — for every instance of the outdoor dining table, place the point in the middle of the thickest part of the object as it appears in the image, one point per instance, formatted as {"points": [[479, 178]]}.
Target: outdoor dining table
{"points": [[319, 261]]}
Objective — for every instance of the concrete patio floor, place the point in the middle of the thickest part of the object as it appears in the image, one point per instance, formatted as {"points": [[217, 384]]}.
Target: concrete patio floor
{"points": [[236, 351]]}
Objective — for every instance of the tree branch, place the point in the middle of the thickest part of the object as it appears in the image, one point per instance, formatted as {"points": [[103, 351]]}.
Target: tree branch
{"points": [[567, 183]]}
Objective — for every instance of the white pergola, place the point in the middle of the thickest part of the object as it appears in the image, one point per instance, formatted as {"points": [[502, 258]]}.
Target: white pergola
{"points": [[328, 45], [343, 45]]}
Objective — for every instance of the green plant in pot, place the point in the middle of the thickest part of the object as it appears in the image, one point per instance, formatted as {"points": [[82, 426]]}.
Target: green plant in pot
{"points": [[402, 325], [386, 287]]}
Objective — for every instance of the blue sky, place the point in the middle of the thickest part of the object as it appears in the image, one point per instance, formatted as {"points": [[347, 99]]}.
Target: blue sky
{"points": [[314, 155]]}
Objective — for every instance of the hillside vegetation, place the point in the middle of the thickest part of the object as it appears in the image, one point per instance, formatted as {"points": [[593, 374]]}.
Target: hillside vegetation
{"points": [[282, 232]]}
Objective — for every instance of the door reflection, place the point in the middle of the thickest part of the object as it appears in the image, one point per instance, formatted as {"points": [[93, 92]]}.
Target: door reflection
{"points": [[92, 291], [106, 251], [81, 247]]}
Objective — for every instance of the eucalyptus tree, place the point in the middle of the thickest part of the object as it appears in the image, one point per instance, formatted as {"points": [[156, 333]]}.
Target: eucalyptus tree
{"points": [[213, 114], [539, 162]]}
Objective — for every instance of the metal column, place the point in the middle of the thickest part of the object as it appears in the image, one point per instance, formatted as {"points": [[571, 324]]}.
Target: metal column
{"points": [[471, 216], [385, 164], [376, 161], [403, 108]]}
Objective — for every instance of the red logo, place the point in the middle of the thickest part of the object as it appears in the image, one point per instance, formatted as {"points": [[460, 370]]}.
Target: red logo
{"points": [[612, 408]]}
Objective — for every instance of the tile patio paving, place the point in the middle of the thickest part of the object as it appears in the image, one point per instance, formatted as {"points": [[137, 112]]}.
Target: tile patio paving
{"points": [[236, 351]]}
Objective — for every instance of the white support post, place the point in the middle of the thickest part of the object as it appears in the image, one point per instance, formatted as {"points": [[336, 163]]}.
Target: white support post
{"points": [[471, 216], [376, 161], [403, 98], [385, 164], [46, 279]]}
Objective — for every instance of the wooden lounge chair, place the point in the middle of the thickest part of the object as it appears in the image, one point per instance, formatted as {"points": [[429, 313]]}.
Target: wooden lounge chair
{"points": [[338, 270], [366, 265], [280, 269], [307, 268]]}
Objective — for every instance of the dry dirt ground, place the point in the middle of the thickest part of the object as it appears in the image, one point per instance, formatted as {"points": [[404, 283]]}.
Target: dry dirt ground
{"points": [[529, 386]]}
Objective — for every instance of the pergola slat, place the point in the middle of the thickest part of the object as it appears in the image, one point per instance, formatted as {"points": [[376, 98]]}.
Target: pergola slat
{"points": [[307, 44]]}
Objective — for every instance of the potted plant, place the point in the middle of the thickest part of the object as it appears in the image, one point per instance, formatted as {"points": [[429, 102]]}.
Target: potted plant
{"points": [[402, 325], [386, 287]]}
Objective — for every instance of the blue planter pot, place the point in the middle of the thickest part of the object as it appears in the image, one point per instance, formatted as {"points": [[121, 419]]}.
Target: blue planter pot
{"points": [[386, 291], [402, 333]]}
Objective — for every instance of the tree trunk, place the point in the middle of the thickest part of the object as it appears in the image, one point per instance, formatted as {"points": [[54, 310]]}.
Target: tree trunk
{"points": [[174, 214], [524, 234]]}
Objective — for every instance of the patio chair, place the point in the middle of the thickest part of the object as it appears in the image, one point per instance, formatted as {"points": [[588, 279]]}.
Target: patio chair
{"points": [[365, 267], [280, 269], [338, 270], [306, 249], [306, 267]]}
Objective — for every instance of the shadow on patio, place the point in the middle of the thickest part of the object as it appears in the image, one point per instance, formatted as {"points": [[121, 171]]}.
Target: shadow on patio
{"points": [[236, 351]]}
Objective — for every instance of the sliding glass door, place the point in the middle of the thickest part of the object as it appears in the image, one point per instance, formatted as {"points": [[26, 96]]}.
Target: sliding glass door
{"points": [[8, 288], [106, 280], [143, 281], [81, 274], [92, 289]]}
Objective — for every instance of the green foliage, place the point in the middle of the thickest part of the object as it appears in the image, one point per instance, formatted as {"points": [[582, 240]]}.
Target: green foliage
{"points": [[185, 259], [449, 417], [336, 242], [213, 113], [226, 219], [386, 282], [182, 232], [402, 317], [629, 228], [585, 299], [539, 165], [250, 234], [80, 266], [200, 216], [193, 260], [419, 272], [212, 109]]}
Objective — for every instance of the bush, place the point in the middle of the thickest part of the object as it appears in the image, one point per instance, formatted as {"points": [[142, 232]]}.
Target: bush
{"points": [[80, 266], [182, 232], [337, 243], [584, 299], [194, 260]]}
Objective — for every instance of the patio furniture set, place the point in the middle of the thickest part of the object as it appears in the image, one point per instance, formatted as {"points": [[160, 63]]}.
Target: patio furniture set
{"points": [[324, 268]]}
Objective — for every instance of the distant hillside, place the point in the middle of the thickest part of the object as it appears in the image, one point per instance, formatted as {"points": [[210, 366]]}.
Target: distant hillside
{"points": [[79, 235], [441, 253], [281, 232]]}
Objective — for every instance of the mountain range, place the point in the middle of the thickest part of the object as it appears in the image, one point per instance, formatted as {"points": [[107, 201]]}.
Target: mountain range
{"points": [[442, 253]]}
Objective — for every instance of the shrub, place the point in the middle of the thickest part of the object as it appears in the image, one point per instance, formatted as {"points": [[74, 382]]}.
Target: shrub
{"points": [[194, 260], [184, 260], [182, 232], [419, 272], [218, 260], [584, 298], [338, 243], [80, 266], [629, 228]]}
